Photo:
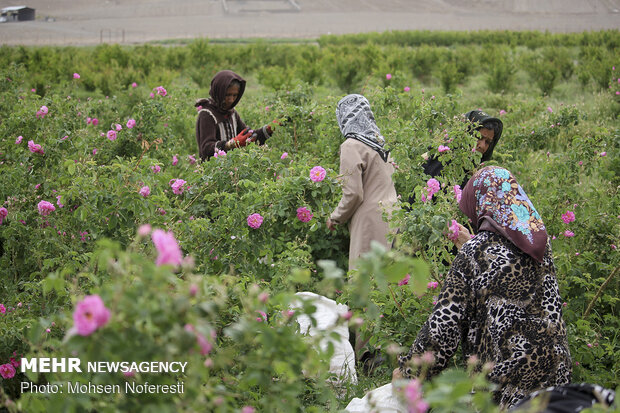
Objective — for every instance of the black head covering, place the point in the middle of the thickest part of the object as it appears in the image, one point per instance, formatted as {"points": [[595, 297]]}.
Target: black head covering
{"points": [[483, 120]]}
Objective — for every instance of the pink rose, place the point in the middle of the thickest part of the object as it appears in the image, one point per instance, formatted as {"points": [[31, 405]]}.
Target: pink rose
{"points": [[255, 221], [167, 247], [568, 217], [317, 174], [131, 123], [111, 135], [7, 371], [304, 214], [90, 314], [457, 193], [145, 191], [161, 91], [413, 397], [3, 214], [45, 208], [42, 112], [453, 235], [144, 230], [35, 147], [177, 186], [432, 187]]}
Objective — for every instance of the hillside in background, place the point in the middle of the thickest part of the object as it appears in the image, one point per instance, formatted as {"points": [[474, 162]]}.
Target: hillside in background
{"points": [[64, 22]]}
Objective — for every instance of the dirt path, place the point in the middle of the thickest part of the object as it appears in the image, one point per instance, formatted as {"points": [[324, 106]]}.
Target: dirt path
{"points": [[69, 22]]}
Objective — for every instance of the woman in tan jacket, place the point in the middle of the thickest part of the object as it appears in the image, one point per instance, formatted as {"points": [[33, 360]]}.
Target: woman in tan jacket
{"points": [[366, 170]]}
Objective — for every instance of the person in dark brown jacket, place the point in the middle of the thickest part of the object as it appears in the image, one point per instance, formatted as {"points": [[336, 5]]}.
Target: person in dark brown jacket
{"points": [[219, 126]]}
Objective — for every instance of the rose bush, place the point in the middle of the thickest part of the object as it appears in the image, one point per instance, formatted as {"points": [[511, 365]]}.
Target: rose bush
{"points": [[85, 215]]}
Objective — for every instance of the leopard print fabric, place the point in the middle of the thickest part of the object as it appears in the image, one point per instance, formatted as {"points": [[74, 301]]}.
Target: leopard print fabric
{"points": [[505, 308]]}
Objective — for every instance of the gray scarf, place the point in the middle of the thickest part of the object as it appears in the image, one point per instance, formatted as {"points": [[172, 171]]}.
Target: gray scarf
{"points": [[357, 122]]}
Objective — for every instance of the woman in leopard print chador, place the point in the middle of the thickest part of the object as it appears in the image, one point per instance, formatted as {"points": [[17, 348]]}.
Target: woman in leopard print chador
{"points": [[500, 299]]}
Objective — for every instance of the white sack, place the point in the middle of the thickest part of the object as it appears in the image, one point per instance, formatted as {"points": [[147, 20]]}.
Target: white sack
{"points": [[380, 400], [326, 315]]}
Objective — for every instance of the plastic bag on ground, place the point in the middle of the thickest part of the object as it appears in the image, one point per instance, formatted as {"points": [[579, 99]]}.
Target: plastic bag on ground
{"points": [[379, 400], [327, 313]]}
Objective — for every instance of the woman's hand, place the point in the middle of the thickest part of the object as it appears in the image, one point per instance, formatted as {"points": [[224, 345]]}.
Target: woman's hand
{"points": [[331, 224], [397, 375], [463, 236], [240, 140]]}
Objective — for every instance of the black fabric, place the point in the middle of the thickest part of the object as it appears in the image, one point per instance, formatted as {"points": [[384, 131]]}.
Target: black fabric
{"points": [[570, 398], [433, 167]]}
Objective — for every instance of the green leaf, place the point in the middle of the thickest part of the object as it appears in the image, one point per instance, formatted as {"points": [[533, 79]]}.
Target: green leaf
{"points": [[397, 271]]}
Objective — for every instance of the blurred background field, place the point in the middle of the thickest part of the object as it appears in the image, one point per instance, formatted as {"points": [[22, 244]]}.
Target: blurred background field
{"points": [[66, 22]]}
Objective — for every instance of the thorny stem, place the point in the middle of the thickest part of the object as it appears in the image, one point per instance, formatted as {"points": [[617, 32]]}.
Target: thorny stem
{"points": [[396, 302], [600, 291]]}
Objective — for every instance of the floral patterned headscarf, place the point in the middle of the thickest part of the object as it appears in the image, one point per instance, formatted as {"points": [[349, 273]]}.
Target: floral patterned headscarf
{"points": [[494, 201]]}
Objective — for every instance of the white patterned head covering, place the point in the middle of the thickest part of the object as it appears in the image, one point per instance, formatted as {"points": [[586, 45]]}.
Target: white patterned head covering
{"points": [[356, 121]]}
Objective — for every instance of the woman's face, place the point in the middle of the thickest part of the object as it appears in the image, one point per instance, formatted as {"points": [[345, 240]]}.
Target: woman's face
{"points": [[485, 141], [231, 96]]}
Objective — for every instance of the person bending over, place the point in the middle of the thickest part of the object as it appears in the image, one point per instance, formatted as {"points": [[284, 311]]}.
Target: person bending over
{"points": [[500, 300]]}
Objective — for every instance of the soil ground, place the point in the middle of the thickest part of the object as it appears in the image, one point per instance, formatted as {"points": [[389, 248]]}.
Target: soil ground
{"points": [[89, 22]]}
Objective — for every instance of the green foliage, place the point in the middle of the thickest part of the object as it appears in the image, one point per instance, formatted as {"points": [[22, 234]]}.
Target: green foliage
{"points": [[89, 245], [596, 63], [501, 69], [449, 76], [543, 70]]}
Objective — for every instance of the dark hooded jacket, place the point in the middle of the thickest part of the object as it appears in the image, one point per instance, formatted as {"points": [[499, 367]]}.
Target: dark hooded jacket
{"points": [[215, 125], [478, 119]]}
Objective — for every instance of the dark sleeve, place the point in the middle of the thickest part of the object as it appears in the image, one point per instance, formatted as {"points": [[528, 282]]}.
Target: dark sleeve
{"points": [[207, 135], [262, 134], [431, 167], [442, 331]]}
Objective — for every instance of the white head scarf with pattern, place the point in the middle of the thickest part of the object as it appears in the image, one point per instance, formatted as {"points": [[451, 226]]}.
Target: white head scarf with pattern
{"points": [[356, 121]]}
